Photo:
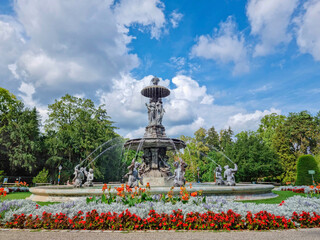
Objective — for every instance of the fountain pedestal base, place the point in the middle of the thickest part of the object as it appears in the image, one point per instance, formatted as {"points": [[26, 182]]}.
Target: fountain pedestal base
{"points": [[157, 178]]}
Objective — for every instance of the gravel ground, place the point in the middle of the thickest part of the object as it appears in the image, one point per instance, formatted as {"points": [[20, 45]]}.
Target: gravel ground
{"points": [[305, 234]]}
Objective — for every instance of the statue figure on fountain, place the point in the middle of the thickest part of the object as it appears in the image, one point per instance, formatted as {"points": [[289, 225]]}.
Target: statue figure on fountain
{"points": [[164, 166], [151, 113], [159, 112], [155, 112], [218, 175], [133, 174], [89, 175], [179, 172], [145, 166], [229, 174], [78, 176]]}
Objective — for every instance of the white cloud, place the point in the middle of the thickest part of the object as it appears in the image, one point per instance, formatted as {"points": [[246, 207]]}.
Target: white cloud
{"points": [[73, 45], [11, 40], [248, 121], [264, 88], [175, 18], [178, 62], [226, 45], [269, 20], [144, 12], [27, 90], [308, 31], [75, 42]]}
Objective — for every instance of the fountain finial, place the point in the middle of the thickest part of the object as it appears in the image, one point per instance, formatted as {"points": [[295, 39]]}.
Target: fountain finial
{"points": [[155, 80]]}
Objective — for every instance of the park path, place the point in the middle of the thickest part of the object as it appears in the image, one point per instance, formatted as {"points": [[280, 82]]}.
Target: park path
{"points": [[305, 234]]}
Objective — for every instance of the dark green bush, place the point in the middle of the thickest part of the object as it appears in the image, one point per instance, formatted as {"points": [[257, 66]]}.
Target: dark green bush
{"points": [[42, 177], [306, 163], [2, 174]]}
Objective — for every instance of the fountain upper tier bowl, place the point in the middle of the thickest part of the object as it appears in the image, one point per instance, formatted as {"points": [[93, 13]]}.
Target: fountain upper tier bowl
{"points": [[155, 91], [169, 143]]}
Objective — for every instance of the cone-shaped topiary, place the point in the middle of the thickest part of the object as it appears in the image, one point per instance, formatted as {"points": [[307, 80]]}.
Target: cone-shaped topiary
{"points": [[306, 163]]}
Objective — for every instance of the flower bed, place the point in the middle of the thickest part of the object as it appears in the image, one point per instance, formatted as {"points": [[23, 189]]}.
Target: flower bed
{"points": [[213, 214], [18, 187], [155, 221], [137, 209], [302, 189]]}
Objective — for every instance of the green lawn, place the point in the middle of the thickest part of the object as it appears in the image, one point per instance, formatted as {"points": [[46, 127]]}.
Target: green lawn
{"points": [[282, 196], [17, 195], [24, 195]]}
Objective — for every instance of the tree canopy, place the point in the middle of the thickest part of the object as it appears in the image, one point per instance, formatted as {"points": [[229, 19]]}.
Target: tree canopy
{"points": [[76, 127]]}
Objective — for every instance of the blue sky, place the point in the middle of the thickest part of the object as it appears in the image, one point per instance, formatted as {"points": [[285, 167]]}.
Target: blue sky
{"points": [[227, 63]]}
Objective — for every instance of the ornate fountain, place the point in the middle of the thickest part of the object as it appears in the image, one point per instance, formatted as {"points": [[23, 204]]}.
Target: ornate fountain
{"points": [[155, 143], [154, 168]]}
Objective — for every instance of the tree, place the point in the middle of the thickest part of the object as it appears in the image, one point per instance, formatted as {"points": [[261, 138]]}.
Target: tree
{"points": [[302, 131], [19, 136], [281, 145], [225, 138], [289, 137], [268, 126], [212, 138], [255, 159], [75, 128]]}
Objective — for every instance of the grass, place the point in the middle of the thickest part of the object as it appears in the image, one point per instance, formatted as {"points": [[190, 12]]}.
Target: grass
{"points": [[46, 203], [17, 195], [282, 196], [24, 195]]}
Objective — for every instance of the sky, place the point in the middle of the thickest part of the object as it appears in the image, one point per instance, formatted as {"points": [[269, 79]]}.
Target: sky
{"points": [[227, 63]]}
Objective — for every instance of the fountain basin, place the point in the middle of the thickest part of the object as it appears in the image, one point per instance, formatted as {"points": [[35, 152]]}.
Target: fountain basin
{"points": [[238, 192]]}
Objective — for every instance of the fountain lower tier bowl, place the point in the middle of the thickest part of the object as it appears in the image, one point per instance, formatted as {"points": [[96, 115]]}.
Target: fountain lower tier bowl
{"points": [[238, 192], [169, 143]]}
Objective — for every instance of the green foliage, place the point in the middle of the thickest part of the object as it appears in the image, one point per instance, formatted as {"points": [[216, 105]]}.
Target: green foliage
{"points": [[291, 136], [213, 138], [255, 159], [19, 135], [75, 128], [199, 153], [2, 174], [302, 130], [268, 125], [306, 163], [317, 158], [42, 177]]}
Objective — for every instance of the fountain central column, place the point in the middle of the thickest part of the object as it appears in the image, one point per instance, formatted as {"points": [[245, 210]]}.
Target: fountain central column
{"points": [[155, 143]]}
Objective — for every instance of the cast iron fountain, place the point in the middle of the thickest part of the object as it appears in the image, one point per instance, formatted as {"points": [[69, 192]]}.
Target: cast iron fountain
{"points": [[155, 142]]}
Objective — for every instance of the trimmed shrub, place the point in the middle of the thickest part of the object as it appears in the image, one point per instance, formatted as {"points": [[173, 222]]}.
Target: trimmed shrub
{"points": [[2, 174], [306, 163], [42, 177]]}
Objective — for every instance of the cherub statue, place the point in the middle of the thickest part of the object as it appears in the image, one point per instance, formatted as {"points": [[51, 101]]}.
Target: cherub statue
{"points": [[78, 176], [229, 174], [218, 175], [89, 175], [133, 174], [179, 179]]}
